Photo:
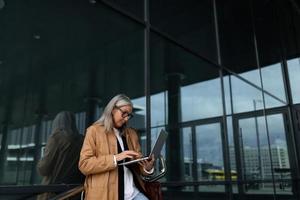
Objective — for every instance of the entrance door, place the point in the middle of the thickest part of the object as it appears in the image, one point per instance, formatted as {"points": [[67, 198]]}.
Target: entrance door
{"points": [[263, 162], [203, 155]]}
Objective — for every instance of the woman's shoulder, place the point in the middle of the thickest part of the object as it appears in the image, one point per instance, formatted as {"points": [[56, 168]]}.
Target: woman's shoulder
{"points": [[95, 128]]}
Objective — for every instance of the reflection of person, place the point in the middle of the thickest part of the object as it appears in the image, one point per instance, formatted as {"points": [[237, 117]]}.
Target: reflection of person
{"points": [[107, 142], [59, 164]]}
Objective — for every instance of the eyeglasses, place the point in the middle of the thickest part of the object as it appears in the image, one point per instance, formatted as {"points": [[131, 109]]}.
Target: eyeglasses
{"points": [[125, 114]]}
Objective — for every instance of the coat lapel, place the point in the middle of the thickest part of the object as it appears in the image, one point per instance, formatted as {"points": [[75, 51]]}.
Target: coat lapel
{"points": [[112, 142]]}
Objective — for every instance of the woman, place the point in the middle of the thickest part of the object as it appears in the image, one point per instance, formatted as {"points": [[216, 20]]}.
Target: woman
{"points": [[108, 142], [60, 160]]}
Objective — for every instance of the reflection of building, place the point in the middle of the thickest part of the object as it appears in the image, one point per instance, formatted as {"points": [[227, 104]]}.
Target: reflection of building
{"points": [[250, 158], [206, 171], [21, 147]]}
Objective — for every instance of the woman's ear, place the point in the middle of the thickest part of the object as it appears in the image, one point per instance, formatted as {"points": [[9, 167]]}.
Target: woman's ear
{"points": [[113, 112]]}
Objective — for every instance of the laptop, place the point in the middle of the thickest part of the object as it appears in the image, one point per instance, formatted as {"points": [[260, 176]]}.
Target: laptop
{"points": [[160, 141]]}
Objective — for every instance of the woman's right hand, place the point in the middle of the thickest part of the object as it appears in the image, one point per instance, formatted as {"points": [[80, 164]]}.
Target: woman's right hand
{"points": [[126, 154]]}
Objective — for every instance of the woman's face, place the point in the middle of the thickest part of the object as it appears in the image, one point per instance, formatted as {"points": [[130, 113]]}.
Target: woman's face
{"points": [[121, 115]]}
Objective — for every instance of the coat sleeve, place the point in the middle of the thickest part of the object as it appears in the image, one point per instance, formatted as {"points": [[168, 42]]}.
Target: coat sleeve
{"points": [[89, 162]]}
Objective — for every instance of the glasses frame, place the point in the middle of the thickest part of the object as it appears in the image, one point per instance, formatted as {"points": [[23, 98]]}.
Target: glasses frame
{"points": [[124, 113]]}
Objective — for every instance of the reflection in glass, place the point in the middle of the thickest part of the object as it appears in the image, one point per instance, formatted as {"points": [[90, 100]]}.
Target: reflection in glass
{"points": [[246, 94], [201, 100], [294, 77], [12, 158], [45, 131], [227, 94], [232, 158], [257, 146], [188, 154], [190, 82], [273, 84], [159, 108], [139, 112], [243, 95], [210, 155]]}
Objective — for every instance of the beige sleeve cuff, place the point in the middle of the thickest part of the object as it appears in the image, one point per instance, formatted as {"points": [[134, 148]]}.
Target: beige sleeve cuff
{"points": [[115, 160]]}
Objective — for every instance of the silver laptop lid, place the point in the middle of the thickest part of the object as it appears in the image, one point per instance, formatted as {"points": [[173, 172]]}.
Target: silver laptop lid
{"points": [[160, 141]]}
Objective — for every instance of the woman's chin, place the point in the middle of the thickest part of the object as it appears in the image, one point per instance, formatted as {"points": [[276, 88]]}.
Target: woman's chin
{"points": [[119, 125]]}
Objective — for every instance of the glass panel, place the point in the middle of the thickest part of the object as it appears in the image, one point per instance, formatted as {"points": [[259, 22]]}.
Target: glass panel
{"points": [[63, 61], [26, 153], [232, 157], [267, 32], [10, 165], [245, 97], [134, 7], [254, 155], [207, 94], [247, 93], [80, 122], [256, 147], [279, 152], [210, 156], [139, 111], [188, 88], [188, 154], [273, 84], [236, 35], [176, 17], [294, 77], [159, 108], [227, 93]]}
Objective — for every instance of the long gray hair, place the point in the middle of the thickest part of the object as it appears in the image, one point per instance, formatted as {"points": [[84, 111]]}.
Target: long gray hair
{"points": [[106, 119]]}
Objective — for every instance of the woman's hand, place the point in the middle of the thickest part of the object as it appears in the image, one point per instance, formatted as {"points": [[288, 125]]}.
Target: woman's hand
{"points": [[126, 154], [148, 164]]}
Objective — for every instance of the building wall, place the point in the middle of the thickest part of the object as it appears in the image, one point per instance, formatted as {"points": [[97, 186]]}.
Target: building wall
{"points": [[221, 76]]}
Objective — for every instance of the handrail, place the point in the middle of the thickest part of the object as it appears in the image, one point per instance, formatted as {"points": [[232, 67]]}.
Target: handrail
{"points": [[35, 189], [162, 172], [69, 193]]}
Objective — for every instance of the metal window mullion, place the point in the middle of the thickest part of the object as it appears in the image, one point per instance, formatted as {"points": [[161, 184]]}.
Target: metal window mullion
{"points": [[147, 72]]}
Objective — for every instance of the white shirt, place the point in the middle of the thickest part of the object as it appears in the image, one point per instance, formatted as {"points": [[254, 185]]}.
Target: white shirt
{"points": [[130, 191]]}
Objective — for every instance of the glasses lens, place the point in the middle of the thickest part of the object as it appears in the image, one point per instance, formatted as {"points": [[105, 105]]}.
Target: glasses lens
{"points": [[125, 114], [130, 116]]}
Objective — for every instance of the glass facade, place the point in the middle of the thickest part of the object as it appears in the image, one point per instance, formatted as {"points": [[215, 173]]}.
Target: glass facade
{"points": [[222, 77]]}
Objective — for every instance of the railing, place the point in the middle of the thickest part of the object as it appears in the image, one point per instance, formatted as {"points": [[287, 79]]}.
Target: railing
{"points": [[161, 173], [70, 193]]}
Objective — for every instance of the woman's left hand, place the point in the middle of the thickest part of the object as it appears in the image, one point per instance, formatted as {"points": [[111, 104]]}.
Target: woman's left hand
{"points": [[148, 164]]}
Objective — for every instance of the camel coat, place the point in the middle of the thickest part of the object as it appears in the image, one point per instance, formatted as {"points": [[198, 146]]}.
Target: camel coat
{"points": [[97, 163]]}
